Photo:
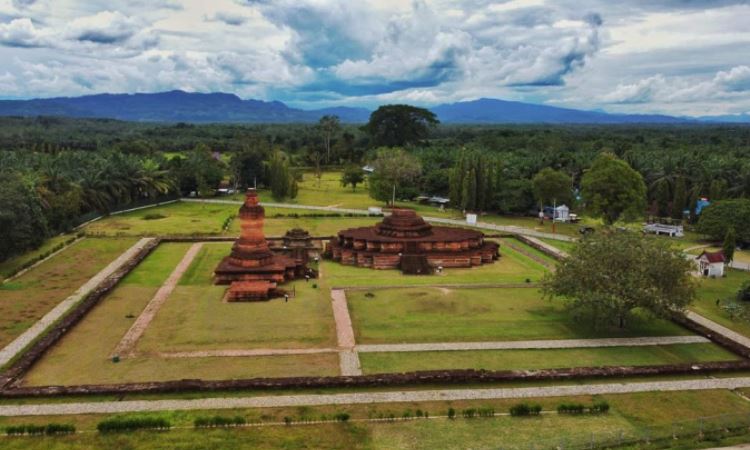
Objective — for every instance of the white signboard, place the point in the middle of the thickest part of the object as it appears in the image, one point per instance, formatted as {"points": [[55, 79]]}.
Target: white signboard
{"points": [[471, 219]]}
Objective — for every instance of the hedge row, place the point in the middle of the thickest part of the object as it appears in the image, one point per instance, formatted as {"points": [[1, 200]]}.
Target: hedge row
{"points": [[578, 408], [36, 430], [141, 423], [46, 254], [525, 409], [219, 421]]}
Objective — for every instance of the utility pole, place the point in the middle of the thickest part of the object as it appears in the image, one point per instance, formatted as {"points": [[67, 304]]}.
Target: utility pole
{"points": [[393, 200]]}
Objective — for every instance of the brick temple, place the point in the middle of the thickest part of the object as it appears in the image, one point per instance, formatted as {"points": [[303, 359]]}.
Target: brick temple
{"points": [[252, 270], [405, 241]]}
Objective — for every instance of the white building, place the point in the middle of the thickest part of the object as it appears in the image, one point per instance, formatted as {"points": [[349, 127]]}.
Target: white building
{"points": [[660, 228], [711, 264]]}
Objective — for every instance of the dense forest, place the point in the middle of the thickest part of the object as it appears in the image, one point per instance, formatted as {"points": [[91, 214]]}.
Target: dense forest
{"points": [[56, 171]]}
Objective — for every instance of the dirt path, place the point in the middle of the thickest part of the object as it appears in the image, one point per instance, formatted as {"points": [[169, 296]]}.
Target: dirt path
{"points": [[272, 401], [538, 344], [126, 347], [18, 344]]}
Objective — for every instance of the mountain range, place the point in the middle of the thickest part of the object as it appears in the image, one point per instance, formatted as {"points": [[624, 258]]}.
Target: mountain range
{"points": [[180, 106]]}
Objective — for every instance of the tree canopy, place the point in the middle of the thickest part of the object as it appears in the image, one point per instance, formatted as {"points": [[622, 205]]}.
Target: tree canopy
{"points": [[393, 168], [612, 190], [399, 125], [552, 185], [647, 273], [719, 217]]}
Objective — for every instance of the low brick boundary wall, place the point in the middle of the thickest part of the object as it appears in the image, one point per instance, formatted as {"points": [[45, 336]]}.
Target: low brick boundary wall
{"points": [[39, 347], [531, 243], [718, 339], [377, 380]]}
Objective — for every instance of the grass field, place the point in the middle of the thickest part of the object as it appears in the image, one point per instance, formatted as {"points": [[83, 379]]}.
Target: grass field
{"points": [[27, 298], [11, 265], [543, 359], [629, 413], [181, 218], [711, 290], [512, 267], [451, 315]]}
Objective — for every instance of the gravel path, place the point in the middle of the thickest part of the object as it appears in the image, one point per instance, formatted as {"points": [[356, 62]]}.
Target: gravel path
{"points": [[539, 344], [720, 329], [367, 397], [246, 352], [126, 347], [344, 330], [482, 225], [15, 347], [349, 363], [550, 248]]}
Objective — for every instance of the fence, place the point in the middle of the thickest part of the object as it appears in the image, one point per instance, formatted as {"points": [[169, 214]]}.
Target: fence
{"points": [[701, 429]]}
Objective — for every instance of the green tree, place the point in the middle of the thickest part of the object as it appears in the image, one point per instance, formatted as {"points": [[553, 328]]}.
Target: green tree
{"points": [[353, 176], [22, 222], [730, 244], [393, 168], [647, 273], [248, 164], [281, 181], [680, 198], [612, 190], [552, 186], [399, 125], [719, 217], [328, 125]]}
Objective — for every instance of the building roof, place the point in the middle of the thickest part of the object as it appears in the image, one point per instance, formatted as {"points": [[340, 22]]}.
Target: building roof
{"points": [[713, 257]]}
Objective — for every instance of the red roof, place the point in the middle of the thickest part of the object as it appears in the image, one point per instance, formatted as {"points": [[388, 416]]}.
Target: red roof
{"points": [[713, 257]]}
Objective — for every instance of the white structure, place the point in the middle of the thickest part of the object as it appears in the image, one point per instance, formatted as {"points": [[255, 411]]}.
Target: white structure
{"points": [[660, 228], [711, 264], [471, 219], [562, 213], [375, 210]]}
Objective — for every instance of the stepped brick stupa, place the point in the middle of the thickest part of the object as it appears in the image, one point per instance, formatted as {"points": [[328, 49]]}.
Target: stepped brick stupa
{"points": [[252, 270], [405, 241]]}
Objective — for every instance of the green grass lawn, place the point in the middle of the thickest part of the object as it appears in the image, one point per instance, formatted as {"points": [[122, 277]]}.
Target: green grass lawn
{"points": [[542, 359], [562, 245], [714, 289], [193, 318], [11, 265], [27, 298], [454, 315], [512, 267]]}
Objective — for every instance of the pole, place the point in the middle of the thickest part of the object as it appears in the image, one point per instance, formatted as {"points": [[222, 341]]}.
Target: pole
{"points": [[554, 214], [393, 201]]}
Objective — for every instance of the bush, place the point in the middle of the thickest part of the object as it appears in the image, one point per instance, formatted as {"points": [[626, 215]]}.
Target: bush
{"points": [[287, 420], [524, 409], [571, 408], [469, 413], [218, 421], [51, 429], [341, 417], [486, 412], [138, 423], [743, 294], [600, 407], [451, 413]]}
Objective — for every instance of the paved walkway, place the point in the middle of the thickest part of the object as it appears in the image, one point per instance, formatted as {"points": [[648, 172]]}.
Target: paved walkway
{"points": [[274, 401], [28, 336], [348, 357], [719, 329], [482, 225], [550, 248], [538, 344], [126, 347]]}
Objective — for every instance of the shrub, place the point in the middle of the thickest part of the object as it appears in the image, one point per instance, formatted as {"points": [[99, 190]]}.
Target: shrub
{"points": [[521, 409], [287, 420], [315, 285], [116, 358], [369, 295], [50, 429], [218, 421], [451, 413], [743, 294], [469, 413], [138, 423], [571, 408], [59, 428], [600, 407], [341, 417], [153, 216], [486, 412]]}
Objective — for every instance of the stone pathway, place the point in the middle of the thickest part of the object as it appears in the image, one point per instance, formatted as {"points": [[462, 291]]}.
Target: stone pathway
{"points": [[273, 401], [348, 357], [719, 329], [537, 344], [126, 347], [552, 249], [28, 336]]}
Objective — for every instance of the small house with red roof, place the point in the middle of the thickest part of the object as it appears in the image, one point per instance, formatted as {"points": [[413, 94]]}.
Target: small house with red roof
{"points": [[711, 264]]}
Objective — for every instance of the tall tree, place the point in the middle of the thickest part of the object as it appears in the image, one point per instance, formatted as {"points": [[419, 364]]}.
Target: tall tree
{"points": [[22, 222], [353, 176], [719, 217], [280, 177], [399, 125], [647, 273], [329, 125], [393, 169], [730, 244], [680, 198], [612, 190], [552, 186]]}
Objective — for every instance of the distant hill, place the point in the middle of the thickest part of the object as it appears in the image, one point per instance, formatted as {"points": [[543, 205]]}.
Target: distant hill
{"points": [[180, 106]]}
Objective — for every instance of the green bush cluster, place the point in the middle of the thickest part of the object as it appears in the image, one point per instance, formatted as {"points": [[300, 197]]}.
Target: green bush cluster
{"points": [[153, 216], [599, 407], [46, 254], [35, 430], [341, 417], [525, 409], [227, 222], [219, 421], [141, 423]]}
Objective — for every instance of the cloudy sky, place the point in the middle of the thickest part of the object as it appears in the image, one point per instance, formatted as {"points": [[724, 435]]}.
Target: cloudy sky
{"points": [[683, 57]]}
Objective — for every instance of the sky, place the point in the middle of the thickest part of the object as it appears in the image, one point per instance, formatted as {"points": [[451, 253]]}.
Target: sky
{"points": [[679, 57]]}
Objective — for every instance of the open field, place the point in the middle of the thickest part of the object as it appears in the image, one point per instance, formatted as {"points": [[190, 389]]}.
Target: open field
{"points": [[629, 413], [11, 265], [500, 314], [512, 267], [27, 298], [711, 290], [543, 359]]}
